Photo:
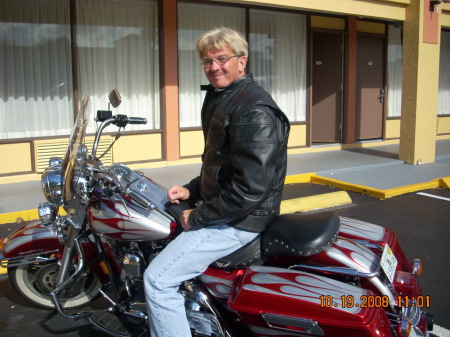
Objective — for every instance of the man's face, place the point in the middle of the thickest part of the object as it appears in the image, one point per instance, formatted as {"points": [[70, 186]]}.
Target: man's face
{"points": [[221, 76]]}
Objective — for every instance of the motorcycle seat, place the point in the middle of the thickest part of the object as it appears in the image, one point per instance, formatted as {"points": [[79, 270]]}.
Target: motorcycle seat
{"points": [[300, 234], [296, 234]]}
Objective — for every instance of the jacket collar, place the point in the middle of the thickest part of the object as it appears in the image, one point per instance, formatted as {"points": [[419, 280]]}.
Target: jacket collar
{"points": [[246, 78]]}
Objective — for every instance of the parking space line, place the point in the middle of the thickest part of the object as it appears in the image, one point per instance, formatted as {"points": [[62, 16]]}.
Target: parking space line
{"points": [[433, 196]]}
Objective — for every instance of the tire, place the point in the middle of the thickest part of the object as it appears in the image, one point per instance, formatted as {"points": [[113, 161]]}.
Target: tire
{"points": [[36, 281]]}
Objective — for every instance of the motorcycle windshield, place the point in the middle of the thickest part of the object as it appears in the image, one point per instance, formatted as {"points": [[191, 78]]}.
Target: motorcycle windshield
{"points": [[75, 158]]}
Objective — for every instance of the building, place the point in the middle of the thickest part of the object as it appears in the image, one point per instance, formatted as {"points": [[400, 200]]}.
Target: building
{"points": [[347, 73]]}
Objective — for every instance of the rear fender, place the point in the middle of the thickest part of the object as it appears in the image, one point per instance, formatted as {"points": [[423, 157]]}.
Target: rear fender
{"points": [[374, 234]]}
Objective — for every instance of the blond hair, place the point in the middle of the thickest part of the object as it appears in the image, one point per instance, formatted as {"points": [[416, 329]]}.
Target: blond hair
{"points": [[220, 38]]}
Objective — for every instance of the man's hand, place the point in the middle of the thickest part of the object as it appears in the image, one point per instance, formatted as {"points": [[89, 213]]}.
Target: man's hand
{"points": [[177, 193], [185, 220]]}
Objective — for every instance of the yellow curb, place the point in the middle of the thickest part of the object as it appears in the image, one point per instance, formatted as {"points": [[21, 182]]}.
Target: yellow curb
{"points": [[314, 202], [22, 216], [444, 182], [410, 188], [382, 194], [19, 216], [348, 186], [299, 178], [293, 179]]}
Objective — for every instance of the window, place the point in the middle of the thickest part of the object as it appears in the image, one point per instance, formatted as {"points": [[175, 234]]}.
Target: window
{"points": [[193, 21], [278, 59], [117, 47], [117, 44], [277, 56], [35, 63], [394, 71], [444, 78]]}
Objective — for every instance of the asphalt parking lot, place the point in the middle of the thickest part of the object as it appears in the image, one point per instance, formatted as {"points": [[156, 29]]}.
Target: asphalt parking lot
{"points": [[420, 219]]}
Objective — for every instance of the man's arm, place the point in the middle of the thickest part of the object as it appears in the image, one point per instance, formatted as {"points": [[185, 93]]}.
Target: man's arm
{"points": [[254, 147]]}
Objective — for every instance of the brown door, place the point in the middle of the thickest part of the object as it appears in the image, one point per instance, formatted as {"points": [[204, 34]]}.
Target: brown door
{"points": [[327, 81], [370, 87]]}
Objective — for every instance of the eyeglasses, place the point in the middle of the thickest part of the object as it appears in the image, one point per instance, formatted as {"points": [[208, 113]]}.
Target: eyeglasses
{"points": [[221, 60]]}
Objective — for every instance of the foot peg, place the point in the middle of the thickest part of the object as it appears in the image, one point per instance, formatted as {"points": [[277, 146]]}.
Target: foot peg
{"points": [[116, 326]]}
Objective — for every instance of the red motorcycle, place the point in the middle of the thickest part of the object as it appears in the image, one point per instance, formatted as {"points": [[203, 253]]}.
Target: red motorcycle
{"points": [[306, 275]]}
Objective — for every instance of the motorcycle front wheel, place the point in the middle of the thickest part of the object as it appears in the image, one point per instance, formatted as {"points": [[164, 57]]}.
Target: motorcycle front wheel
{"points": [[36, 281]]}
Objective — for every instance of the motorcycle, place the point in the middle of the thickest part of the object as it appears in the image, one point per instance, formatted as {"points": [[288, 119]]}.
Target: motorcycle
{"points": [[307, 275]]}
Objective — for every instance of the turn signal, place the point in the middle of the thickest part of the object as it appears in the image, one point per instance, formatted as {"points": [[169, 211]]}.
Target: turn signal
{"points": [[2, 242], [416, 267], [404, 327]]}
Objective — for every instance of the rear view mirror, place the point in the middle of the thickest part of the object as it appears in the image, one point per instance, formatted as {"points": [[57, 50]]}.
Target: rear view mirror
{"points": [[114, 98]]}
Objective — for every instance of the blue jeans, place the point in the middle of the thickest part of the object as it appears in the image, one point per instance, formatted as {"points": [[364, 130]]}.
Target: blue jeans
{"points": [[184, 258]]}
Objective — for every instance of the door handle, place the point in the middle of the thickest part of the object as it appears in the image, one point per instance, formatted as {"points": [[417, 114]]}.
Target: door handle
{"points": [[381, 97]]}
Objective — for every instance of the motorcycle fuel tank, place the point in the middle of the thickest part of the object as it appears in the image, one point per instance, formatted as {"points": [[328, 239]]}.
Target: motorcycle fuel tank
{"points": [[122, 219]]}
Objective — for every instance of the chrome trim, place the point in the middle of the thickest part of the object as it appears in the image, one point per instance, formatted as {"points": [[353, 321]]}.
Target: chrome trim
{"points": [[52, 182], [67, 283], [204, 324], [368, 244], [413, 312], [133, 264], [53, 161], [98, 135], [48, 213], [308, 326], [339, 270], [202, 298], [26, 259]]}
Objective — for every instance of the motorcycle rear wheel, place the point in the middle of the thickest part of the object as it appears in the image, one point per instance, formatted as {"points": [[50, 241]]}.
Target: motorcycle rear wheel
{"points": [[35, 282]]}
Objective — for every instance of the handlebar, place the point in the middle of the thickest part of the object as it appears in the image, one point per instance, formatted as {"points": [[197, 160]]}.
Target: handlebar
{"points": [[123, 120], [119, 120], [137, 120], [140, 199]]}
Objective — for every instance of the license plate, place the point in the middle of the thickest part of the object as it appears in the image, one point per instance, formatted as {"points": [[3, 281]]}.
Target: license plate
{"points": [[388, 263]]}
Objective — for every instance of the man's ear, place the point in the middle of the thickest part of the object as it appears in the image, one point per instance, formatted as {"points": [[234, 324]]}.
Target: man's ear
{"points": [[242, 63]]}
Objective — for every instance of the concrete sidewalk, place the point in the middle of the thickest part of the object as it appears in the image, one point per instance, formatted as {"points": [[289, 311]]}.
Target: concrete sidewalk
{"points": [[372, 170]]}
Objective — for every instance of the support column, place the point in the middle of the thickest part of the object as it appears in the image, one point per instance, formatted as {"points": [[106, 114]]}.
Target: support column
{"points": [[350, 92], [420, 83], [169, 61]]}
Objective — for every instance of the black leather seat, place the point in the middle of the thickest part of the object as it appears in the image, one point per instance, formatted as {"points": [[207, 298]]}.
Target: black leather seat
{"points": [[296, 234], [300, 234]]}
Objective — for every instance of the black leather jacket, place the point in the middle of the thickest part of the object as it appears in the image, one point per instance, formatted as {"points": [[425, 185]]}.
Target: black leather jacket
{"points": [[244, 160]]}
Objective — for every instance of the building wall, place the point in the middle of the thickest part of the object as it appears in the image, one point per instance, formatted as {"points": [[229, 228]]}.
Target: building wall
{"points": [[172, 146]]}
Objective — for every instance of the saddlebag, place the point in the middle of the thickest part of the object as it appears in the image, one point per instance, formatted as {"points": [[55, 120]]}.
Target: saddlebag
{"points": [[274, 301]]}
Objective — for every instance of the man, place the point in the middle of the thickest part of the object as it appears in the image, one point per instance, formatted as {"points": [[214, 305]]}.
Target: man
{"points": [[240, 184]]}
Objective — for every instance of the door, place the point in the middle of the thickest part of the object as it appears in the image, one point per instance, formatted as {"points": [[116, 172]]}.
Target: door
{"points": [[327, 75], [370, 87]]}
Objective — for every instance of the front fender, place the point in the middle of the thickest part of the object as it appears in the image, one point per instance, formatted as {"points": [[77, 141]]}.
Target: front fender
{"points": [[31, 239], [29, 243]]}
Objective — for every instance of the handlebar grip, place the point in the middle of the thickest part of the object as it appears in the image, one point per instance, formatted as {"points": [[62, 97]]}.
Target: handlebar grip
{"points": [[137, 120], [123, 120]]}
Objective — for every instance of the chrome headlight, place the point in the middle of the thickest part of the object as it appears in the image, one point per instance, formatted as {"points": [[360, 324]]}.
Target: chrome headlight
{"points": [[52, 184], [47, 213], [54, 161]]}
